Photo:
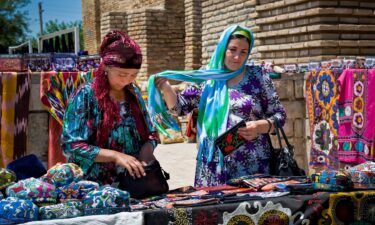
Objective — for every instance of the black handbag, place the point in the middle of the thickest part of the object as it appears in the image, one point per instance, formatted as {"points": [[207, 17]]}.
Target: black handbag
{"points": [[282, 159], [153, 184]]}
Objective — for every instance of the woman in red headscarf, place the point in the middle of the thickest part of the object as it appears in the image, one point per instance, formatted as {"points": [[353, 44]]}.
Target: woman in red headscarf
{"points": [[106, 128]]}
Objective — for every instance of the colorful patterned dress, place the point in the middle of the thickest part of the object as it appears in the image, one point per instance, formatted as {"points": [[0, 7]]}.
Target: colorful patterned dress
{"points": [[254, 98], [81, 122]]}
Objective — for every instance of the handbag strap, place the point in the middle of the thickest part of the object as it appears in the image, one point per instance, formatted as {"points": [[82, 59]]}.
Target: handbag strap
{"points": [[166, 175], [280, 128]]}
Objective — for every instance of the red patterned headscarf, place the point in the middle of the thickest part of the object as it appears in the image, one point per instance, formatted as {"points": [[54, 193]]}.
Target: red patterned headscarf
{"points": [[117, 50]]}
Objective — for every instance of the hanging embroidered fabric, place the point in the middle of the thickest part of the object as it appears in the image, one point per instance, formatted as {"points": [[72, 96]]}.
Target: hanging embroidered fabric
{"points": [[322, 95], [356, 105]]}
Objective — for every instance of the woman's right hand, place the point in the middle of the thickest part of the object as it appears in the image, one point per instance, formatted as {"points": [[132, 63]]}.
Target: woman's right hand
{"points": [[131, 164]]}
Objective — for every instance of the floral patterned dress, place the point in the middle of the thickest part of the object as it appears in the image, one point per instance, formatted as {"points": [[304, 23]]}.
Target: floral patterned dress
{"points": [[81, 122], [254, 98]]}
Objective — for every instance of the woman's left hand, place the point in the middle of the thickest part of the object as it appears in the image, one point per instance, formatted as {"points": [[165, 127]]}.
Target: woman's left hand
{"points": [[250, 132]]}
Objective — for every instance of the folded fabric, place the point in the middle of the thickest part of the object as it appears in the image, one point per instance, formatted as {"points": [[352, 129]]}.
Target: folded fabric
{"points": [[7, 177], [258, 183], [14, 211], [64, 62], [328, 187], [238, 181], [305, 188], [363, 173], [107, 200], [63, 174], [76, 190], [27, 166], [86, 63], [33, 189], [272, 186], [67, 209], [333, 177], [38, 62]]}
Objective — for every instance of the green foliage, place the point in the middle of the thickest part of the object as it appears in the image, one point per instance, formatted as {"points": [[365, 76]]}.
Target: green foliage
{"points": [[13, 23]]}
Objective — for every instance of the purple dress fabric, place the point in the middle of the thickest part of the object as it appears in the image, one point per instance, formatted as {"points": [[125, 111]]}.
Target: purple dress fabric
{"points": [[254, 98]]}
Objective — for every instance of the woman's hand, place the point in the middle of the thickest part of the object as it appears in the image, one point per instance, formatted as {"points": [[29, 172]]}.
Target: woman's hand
{"points": [[250, 132], [131, 164]]}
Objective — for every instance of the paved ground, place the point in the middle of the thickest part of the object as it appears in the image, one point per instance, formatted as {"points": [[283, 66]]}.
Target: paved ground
{"points": [[179, 161]]}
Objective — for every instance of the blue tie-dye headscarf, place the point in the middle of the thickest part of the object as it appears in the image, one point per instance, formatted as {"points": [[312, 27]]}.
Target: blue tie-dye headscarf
{"points": [[214, 102]]}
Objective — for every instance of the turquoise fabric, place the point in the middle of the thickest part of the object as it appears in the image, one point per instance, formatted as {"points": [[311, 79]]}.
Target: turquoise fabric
{"points": [[214, 103]]}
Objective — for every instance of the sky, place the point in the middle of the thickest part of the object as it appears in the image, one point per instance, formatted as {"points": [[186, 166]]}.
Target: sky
{"points": [[60, 10]]}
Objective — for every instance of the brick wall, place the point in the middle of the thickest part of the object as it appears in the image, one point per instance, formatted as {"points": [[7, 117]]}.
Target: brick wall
{"points": [[91, 25], [298, 31], [193, 32], [93, 10], [291, 93], [219, 14]]}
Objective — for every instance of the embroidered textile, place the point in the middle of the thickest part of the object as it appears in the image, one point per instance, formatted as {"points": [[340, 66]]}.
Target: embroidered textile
{"points": [[356, 134], [322, 95]]}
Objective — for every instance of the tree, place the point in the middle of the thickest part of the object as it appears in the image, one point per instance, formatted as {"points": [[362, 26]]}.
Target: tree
{"points": [[13, 23], [53, 26]]}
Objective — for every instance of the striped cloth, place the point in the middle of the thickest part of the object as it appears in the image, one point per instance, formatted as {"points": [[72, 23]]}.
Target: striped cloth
{"points": [[14, 101]]}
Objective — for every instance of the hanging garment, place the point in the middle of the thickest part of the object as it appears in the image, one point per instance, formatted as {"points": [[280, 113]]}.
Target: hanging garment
{"points": [[356, 105], [55, 92], [14, 101]]}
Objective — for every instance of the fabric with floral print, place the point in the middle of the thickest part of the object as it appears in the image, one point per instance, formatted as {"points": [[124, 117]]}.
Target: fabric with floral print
{"points": [[33, 189], [254, 98], [7, 177], [14, 211], [356, 134], [76, 190], [79, 142], [107, 200], [63, 174], [67, 209]]}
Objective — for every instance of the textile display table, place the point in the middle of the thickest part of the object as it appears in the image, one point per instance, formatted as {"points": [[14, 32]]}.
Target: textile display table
{"points": [[319, 208]]}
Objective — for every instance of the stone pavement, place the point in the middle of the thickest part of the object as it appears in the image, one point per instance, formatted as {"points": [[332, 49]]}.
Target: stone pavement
{"points": [[179, 161]]}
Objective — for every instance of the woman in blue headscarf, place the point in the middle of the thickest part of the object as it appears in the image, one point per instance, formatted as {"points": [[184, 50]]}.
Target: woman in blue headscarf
{"points": [[229, 91]]}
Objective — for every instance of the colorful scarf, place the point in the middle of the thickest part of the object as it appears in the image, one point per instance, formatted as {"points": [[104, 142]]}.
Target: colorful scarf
{"points": [[14, 102], [214, 103]]}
